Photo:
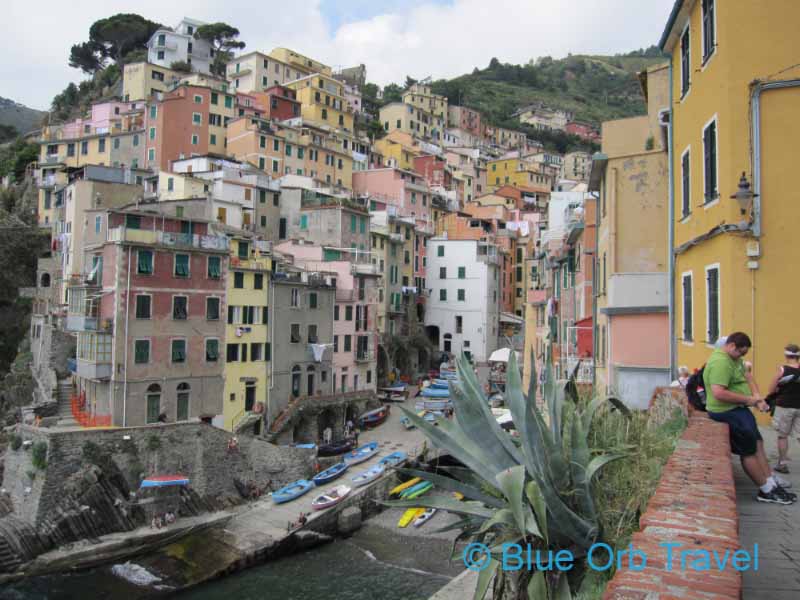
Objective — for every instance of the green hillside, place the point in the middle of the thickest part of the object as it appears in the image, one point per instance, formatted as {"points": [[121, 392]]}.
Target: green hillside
{"points": [[18, 116], [596, 88]]}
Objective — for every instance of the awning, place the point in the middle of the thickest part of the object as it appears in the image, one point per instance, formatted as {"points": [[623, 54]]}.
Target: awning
{"points": [[502, 355], [509, 318]]}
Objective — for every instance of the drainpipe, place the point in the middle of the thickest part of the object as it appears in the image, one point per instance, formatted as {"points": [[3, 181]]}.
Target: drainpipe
{"points": [[755, 118], [125, 357], [755, 108], [671, 235]]}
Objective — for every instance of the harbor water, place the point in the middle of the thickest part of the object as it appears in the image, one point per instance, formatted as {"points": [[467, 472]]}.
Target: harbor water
{"points": [[374, 563]]}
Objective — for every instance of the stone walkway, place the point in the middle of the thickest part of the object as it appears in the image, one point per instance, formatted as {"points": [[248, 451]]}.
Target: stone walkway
{"points": [[775, 528]]}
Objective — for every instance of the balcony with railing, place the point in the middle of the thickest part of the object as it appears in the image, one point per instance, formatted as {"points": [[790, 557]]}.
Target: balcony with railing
{"points": [[94, 355], [364, 268], [365, 356], [261, 263], [165, 238], [537, 296]]}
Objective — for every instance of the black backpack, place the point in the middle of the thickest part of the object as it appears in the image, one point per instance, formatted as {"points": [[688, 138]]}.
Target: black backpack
{"points": [[696, 396]]}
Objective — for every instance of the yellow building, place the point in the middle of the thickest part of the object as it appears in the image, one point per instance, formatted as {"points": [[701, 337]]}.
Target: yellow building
{"points": [[175, 186], [516, 172], [300, 62], [256, 71], [398, 150], [630, 176], [322, 101], [736, 110], [410, 119], [140, 80], [247, 343], [420, 96]]}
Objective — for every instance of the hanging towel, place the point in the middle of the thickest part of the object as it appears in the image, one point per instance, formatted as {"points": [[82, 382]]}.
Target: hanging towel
{"points": [[318, 350]]}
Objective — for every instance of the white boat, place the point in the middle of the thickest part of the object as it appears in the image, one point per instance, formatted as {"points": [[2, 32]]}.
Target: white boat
{"points": [[331, 498], [367, 476], [424, 517]]}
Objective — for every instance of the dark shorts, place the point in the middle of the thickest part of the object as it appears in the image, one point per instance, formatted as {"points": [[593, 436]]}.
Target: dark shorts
{"points": [[743, 429]]}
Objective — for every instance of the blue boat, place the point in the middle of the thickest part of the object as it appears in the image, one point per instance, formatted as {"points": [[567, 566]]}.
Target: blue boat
{"points": [[367, 476], [330, 473], [430, 417], [394, 459], [309, 446], [441, 383], [361, 454], [164, 481], [291, 491], [434, 392], [448, 374]]}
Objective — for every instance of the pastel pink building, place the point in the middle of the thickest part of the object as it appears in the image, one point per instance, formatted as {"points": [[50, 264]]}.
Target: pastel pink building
{"points": [[405, 190], [102, 119]]}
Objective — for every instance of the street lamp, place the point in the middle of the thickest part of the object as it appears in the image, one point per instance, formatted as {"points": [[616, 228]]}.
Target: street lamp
{"points": [[744, 195]]}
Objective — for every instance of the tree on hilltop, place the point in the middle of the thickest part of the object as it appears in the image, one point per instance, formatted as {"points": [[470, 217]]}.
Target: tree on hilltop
{"points": [[112, 38], [222, 38]]}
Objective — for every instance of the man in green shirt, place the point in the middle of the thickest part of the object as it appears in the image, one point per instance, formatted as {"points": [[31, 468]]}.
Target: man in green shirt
{"points": [[730, 392]]}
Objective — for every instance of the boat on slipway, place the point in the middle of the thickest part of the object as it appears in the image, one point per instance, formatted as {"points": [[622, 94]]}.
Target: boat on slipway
{"points": [[330, 473], [330, 498], [292, 491]]}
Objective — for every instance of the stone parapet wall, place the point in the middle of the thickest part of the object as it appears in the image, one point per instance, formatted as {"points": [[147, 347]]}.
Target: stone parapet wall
{"points": [[694, 505], [196, 450]]}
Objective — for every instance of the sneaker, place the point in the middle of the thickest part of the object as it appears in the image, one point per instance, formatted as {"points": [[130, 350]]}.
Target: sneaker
{"points": [[791, 495], [781, 468], [775, 496], [784, 483]]}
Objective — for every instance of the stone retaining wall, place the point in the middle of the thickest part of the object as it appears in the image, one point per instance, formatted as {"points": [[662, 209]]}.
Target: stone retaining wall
{"points": [[196, 450], [695, 505]]}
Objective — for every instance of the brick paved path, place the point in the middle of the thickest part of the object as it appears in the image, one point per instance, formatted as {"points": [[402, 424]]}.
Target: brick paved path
{"points": [[775, 528]]}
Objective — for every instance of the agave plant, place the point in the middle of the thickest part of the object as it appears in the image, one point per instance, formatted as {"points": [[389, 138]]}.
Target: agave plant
{"points": [[536, 491]]}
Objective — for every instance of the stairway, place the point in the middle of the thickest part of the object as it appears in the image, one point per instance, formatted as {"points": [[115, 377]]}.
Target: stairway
{"points": [[64, 397]]}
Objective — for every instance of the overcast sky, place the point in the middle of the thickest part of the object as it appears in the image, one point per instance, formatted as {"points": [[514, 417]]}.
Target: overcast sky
{"points": [[393, 38]]}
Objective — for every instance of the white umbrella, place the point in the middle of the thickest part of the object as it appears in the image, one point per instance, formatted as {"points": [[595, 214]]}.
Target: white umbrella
{"points": [[501, 355]]}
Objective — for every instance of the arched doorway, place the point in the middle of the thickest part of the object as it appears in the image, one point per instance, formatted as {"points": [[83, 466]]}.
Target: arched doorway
{"points": [[383, 364], [45, 280], [183, 402], [153, 401], [432, 332], [448, 343], [327, 418], [310, 379], [296, 373]]}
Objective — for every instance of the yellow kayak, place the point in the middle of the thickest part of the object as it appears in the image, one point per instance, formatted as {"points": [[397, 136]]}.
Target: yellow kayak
{"points": [[458, 495], [404, 486], [410, 515]]}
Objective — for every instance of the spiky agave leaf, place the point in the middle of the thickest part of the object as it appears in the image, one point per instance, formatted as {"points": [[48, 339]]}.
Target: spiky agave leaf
{"points": [[473, 397], [484, 579], [460, 448], [512, 483], [534, 495]]}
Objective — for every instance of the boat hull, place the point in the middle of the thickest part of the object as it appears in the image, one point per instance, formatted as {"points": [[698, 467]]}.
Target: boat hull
{"points": [[291, 491], [330, 474]]}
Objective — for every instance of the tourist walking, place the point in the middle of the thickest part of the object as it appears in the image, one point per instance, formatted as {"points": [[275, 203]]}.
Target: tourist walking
{"points": [[786, 387], [729, 394]]}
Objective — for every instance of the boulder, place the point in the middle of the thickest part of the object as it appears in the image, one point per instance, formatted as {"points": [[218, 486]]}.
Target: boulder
{"points": [[349, 520]]}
